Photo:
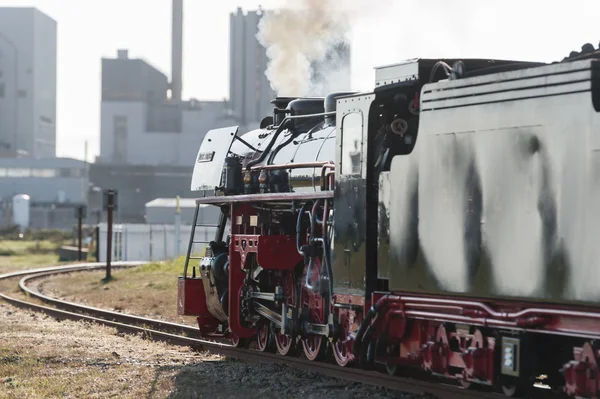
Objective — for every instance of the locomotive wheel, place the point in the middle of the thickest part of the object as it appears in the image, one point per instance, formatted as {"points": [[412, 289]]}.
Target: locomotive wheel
{"points": [[264, 342], [239, 343], [394, 350], [392, 369], [286, 343], [512, 387], [342, 352], [342, 344], [314, 346]]}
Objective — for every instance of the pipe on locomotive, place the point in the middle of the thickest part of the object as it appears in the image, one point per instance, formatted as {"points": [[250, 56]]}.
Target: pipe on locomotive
{"points": [[289, 140], [278, 132], [307, 251]]}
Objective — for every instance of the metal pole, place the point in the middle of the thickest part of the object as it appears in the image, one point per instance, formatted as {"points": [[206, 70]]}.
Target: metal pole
{"points": [[79, 231], [109, 232], [97, 243], [177, 229]]}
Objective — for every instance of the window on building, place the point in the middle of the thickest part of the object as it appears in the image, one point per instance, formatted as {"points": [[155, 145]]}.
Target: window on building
{"points": [[43, 172], [19, 172], [70, 172], [120, 140], [2, 89]]}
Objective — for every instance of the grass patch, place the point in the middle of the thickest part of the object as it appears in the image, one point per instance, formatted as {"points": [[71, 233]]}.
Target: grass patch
{"points": [[43, 358], [23, 254], [148, 290]]}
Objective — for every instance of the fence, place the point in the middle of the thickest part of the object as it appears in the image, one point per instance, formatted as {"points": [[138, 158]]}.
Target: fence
{"points": [[144, 242]]}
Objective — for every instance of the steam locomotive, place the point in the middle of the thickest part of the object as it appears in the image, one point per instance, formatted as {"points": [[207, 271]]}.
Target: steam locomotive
{"points": [[445, 223]]}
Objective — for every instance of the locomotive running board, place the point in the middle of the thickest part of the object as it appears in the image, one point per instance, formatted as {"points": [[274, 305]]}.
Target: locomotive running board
{"points": [[219, 200]]}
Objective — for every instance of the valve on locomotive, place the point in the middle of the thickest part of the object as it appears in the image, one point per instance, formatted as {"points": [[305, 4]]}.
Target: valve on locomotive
{"points": [[264, 181]]}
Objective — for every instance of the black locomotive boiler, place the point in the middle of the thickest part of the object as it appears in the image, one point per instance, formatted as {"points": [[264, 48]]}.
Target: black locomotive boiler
{"points": [[447, 222]]}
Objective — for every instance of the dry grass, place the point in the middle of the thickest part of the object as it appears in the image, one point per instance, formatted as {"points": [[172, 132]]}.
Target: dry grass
{"points": [[43, 358], [149, 290], [19, 255]]}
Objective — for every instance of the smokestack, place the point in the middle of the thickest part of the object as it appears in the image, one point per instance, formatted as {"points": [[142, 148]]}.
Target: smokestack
{"points": [[177, 51]]}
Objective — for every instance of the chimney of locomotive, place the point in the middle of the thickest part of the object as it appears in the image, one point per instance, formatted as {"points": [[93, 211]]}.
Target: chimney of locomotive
{"points": [[177, 51]]}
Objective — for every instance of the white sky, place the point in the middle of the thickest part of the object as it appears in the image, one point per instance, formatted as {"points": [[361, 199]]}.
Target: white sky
{"points": [[385, 31]]}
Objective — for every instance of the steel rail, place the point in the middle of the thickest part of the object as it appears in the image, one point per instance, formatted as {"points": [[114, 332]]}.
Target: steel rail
{"points": [[163, 331]]}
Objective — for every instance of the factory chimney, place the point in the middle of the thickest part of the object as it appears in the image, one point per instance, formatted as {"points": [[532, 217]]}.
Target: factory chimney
{"points": [[177, 51]]}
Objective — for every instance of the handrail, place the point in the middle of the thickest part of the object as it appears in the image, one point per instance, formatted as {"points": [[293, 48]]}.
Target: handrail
{"points": [[304, 117], [328, 165], [291, 165]]}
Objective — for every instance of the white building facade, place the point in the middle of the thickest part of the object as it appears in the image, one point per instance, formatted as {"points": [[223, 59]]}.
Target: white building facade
{"points": [[28, 71], [140, 125]]}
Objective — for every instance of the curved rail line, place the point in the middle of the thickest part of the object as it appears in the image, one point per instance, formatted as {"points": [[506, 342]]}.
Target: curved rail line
{"points": [[180, 334]]}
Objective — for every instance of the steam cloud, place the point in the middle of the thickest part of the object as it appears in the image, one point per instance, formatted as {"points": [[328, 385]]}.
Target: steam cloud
{"points": [[303, 42]]}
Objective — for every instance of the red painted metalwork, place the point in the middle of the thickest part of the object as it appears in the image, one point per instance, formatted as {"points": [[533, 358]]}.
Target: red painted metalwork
{"points": [[436, 352], [478, 357], [538, 319], [278, 252], [581, 375], [191, 300], [346, 299], [349, 317], [349, 320], [237, 276]]}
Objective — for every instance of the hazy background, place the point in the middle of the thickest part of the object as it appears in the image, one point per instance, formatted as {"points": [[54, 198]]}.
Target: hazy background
{"points": [[382, 32]]}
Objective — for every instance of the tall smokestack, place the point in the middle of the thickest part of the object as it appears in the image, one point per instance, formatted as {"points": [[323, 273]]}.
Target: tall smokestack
{"points": [[177, 51]]}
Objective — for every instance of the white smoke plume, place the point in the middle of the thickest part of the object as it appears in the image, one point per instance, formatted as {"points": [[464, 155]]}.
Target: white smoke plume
{"points": [[301, 39]]}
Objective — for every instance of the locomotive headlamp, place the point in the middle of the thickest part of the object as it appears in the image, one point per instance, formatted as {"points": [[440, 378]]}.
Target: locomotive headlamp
{"points": [[247, 177], [247, 182], [262, 179]]}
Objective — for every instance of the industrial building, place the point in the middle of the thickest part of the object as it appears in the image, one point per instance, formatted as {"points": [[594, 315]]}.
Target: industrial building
{"points": [[136, 185], [250, 92], [55, 186], [162, 211], [28, 69], [149, 135], [141, 125]]}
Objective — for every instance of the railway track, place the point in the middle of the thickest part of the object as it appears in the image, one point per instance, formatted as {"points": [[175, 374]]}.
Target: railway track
{"points": [[179, 334]]}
